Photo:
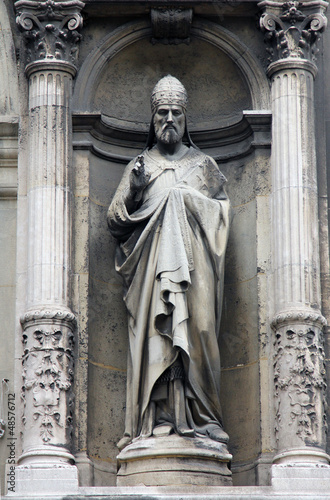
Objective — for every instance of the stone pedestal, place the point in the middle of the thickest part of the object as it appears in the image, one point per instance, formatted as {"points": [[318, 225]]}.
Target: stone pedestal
{"points": [[174, 460], [301, 477], [45, 477]]}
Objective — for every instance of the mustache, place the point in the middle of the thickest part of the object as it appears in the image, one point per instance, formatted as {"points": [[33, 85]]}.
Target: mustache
{"points": [[168, 127]]}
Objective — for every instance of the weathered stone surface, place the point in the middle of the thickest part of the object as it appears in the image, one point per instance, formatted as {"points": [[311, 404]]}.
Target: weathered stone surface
{"points": [[165, 461], [106, 418]]}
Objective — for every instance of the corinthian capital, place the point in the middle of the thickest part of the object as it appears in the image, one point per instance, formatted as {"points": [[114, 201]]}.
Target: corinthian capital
{"points": [[51, 29], [292, 28]]}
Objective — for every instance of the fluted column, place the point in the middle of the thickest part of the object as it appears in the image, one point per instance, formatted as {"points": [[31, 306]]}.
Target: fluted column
{"points": [[48, 186], [292, 30], [50, 37]]}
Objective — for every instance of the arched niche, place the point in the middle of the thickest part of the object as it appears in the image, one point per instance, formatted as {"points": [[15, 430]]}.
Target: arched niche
{"points": [[220, 73], [111, 116]]}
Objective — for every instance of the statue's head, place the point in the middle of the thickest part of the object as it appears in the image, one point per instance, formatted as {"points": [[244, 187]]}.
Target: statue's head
{"points": [[169, 91], [168, 105]]}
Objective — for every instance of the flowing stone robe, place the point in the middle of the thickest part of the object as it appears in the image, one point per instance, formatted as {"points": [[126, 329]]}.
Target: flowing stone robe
{"points": [[171, 256]]}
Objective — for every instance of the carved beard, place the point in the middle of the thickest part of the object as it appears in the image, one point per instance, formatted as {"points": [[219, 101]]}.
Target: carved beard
{"points": [[169, 136]]}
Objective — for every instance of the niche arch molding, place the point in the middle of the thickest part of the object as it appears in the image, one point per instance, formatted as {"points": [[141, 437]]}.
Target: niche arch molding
{"points": [[92, 68]]}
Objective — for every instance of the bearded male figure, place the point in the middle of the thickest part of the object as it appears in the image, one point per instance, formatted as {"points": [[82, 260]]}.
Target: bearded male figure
{"points": [[171, 218]]}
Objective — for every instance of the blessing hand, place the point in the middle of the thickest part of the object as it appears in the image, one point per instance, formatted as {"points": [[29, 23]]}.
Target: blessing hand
{"points": [[139, 178]]}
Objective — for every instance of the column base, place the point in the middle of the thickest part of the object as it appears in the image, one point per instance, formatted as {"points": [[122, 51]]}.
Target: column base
{"points": [[42, 479], [85, 469], [301, 477], [308, 456], [174, 460], [43, 471]]}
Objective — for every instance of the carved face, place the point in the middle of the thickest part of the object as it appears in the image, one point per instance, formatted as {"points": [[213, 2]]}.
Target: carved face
{"points": [[169, 123]]}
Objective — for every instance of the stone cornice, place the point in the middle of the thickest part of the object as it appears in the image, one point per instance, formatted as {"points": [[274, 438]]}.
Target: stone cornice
{"points": [[292, 28], [108, 135], [51, 30], [213, 8]]}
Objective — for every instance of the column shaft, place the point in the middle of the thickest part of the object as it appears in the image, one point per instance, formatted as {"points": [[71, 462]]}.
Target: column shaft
{"points": [[299, 373], [295, 222], [48, 189]]}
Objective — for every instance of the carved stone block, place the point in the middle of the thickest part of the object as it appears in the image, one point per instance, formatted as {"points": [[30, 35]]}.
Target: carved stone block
{"points": [[171, 25], [48, 363]]}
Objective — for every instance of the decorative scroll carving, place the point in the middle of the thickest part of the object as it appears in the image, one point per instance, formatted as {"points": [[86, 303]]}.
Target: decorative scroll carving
{"points": [[300, 384], [292, 28], [48, 363], [171, 25], [51, 29], [290, 317]]}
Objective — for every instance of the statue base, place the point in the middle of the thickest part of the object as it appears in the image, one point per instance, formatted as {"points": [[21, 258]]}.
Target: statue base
{"points": [[174, 460]]}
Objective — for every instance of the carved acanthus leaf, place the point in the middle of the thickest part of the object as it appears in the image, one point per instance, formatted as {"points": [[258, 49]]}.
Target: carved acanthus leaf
{"points": [[292, 28], [48, 419], [300, 381], [48, 363], [51, 29]]}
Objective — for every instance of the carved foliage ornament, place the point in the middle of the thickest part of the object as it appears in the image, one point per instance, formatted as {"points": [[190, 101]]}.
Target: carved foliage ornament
{"points": [[51, 29], [171, 25], [47, 381], [300, 384], [292, 29]]}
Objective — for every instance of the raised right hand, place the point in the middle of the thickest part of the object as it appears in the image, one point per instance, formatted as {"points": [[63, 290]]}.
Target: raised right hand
{"points": [[139, 178]]}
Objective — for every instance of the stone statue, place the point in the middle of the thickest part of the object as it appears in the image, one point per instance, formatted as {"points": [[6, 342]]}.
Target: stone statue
{"points": [[171, 218]]}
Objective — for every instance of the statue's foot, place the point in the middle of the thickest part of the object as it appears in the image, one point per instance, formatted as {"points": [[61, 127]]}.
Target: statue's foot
{"points": [[185, 431], [163, 430], [217, 434], [123, 442]]}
